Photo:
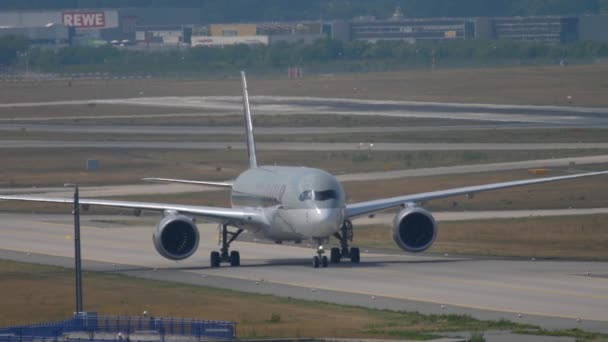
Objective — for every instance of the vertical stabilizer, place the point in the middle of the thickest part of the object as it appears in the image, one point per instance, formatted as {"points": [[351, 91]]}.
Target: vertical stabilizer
{"points": [[253, 163]]}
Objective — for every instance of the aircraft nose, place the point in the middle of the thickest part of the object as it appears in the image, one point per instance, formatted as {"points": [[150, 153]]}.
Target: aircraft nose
{"points": [[326, 221]]}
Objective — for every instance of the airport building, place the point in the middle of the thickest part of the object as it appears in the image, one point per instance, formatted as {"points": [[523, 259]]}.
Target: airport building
{"points": [[66, 26], [546, 29], [171, 27], [261, 33], [411, 30], [539, 29], [593, 28]]}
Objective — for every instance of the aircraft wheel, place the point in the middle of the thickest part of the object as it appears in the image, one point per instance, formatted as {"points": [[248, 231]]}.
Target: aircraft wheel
{"points": [[324, 262], [215, 259], [316, 261], [335, 255], [354, 255], [235, 259]]}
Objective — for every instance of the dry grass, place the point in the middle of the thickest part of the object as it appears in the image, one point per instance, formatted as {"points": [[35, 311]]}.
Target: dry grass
{"points": [[143, 115], [569, 237], [543, 136], [581, 193], [49, 291], [44, 167], [522, 85]]}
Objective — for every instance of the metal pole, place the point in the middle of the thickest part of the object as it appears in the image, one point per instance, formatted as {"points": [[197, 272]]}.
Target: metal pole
{"points": [[78, 264]]}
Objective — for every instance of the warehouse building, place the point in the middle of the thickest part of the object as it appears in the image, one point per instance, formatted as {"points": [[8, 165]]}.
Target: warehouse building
{"points": [[397, 27], [181, 27], [540, 29], [411, 30], [262, 33], [67, 26], [593, 28]]}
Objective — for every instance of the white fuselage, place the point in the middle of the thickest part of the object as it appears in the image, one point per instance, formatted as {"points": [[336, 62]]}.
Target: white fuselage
{"points": [[298, 203]]}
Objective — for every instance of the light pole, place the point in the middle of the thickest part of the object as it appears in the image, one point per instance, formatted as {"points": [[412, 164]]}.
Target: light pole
{"points": [[77, 258]]}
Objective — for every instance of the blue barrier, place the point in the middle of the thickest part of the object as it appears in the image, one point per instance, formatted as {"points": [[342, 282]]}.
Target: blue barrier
{"points": [[92, 323]]}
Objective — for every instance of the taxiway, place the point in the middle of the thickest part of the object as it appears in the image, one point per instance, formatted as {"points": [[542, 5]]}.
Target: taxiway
{"points": [[553, 294]]}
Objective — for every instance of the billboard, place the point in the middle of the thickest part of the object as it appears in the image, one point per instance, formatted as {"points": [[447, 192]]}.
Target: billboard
{"points": [[80, 19], [84, 19]]}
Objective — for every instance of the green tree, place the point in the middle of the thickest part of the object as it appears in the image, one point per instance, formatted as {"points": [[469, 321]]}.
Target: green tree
{"points": [[10, 47]]}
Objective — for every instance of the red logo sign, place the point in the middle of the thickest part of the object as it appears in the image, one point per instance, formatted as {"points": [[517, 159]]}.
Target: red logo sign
{"points": [[84, 19]]}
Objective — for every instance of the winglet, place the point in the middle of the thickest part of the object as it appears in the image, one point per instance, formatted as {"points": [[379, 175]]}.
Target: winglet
{"points": [[253, 163]]}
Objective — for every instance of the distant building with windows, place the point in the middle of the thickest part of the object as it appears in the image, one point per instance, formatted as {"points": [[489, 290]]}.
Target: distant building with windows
{"points": [[411, 30], [183, 27], [546, 29], [538, 29]]}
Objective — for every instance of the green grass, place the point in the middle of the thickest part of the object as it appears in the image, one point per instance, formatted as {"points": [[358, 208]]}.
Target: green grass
{"points": [[39, 293]]}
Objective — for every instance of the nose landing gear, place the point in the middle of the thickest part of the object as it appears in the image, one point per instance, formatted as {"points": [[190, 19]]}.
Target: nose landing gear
{"points": [[320, 260], [344, 252]]}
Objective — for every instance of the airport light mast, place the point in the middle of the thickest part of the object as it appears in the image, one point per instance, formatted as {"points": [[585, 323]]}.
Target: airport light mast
{"points": [[77, 256]]}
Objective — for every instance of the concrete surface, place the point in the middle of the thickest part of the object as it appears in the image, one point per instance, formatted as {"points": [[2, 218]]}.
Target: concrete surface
{"points": [[553, 294]]}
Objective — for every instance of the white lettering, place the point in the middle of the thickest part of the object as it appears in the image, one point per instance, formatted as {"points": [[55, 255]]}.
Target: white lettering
{"points": [[67, 19], [96, 19], [88, 19], [99, 19]]}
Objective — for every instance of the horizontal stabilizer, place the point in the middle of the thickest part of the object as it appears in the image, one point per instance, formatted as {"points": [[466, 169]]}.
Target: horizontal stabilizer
{"points": [[183, 181]]}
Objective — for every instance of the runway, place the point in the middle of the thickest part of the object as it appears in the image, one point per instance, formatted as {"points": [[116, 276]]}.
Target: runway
{"points": [[308, 146], [554, 294], [323, 106], [238, 130]]}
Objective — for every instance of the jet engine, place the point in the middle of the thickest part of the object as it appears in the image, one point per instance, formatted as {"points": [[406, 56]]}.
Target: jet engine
{"points": [[176, 237], [414, 229]]}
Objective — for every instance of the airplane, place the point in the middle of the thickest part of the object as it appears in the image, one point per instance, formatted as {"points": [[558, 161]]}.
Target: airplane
{"points": [[281, 203]]}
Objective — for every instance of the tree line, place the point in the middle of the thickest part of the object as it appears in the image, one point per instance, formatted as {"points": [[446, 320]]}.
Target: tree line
{"points": [[323, 52], [280, 10]]}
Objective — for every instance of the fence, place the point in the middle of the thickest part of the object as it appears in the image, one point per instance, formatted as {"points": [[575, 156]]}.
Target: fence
{"points": [[91, 323]]}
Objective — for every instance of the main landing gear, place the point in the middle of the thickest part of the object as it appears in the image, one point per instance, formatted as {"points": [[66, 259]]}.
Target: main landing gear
{"points": [[344, 252], [224, 255], [337, 254]]}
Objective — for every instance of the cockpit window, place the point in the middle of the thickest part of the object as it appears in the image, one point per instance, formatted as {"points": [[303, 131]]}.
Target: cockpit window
{"points": [[318, 195], [325, 195], [306, 195]]}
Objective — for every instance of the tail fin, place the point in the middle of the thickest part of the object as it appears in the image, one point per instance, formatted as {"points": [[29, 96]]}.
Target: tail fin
{"points": [[253, 163]]}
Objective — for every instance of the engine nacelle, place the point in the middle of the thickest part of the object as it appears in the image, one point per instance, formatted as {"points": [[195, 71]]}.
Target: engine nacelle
{"points": [[176, 237], [414, 229]]}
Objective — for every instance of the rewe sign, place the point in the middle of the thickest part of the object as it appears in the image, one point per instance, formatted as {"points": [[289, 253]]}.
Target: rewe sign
{"points": [[84, 19]]}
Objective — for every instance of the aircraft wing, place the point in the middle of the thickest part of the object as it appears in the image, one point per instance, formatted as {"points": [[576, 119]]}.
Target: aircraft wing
{"points": [[369, 207], [183, 181], [214, 214]]}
